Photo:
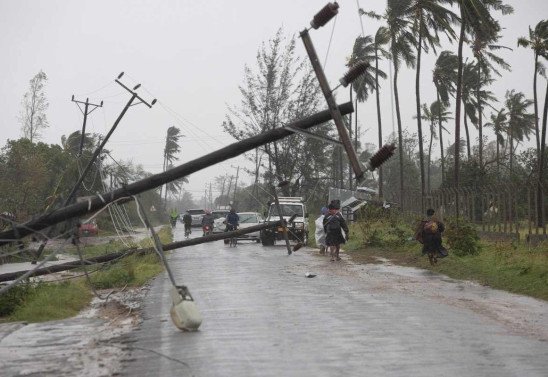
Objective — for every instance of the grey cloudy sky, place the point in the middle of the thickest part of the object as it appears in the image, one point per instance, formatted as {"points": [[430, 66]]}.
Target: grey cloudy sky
{"points": [[191, 56]]}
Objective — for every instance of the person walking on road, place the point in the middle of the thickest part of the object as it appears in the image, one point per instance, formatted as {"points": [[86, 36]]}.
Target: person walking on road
{"points": [[429, 234], [319, 234], [333, 225]]}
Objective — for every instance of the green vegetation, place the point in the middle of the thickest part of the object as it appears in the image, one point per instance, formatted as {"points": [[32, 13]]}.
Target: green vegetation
{"points": [[514, 267], [50, 301], [46, 302]]}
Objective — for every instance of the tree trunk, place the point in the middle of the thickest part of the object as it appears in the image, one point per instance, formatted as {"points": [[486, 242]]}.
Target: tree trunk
{"points": [[441, 136], [540, 192], [419, 122], [400, 135], [511, 150], [467, 134], [498, 158], [457, 112], [430, 154], [480, 129], [535, 103], [379, 122]]}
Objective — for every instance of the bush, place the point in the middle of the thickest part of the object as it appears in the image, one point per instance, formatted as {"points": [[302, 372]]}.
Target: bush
{"points": [[10, 300], [462, 238]]}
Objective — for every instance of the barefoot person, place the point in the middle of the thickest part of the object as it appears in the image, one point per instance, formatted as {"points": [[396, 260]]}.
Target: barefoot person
{"points": [[334, 224]]}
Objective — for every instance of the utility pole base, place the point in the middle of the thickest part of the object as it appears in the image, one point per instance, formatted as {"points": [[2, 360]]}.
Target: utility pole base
{"points": [[184, 312]]}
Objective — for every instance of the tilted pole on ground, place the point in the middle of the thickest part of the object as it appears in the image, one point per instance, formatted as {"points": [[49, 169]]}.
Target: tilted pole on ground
{"points": [[99, 201], [113, 256]]}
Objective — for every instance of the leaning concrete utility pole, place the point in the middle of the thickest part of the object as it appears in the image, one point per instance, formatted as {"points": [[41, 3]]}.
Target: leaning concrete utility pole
{"points": [[97, 152], [86, 112], [319, 20], [99, 201], [134, 96]]}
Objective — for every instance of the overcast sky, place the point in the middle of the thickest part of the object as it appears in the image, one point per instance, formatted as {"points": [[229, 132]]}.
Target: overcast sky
{"points": [[190, 55]]}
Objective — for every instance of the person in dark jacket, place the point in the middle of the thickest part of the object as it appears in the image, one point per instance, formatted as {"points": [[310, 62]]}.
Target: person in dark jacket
{"points": [[334, 224], [232, 220], [430, 232]]}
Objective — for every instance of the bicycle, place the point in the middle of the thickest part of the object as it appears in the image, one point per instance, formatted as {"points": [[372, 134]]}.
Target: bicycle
{"points": [[187, 231], [232, 241]]}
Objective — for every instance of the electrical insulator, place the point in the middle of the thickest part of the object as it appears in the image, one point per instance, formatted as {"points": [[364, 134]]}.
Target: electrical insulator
{"points": [[353, 73], [323, 16], [381, 156]]}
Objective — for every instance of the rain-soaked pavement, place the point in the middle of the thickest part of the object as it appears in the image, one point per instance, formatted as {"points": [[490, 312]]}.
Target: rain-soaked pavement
{"points": [[263, 317]]}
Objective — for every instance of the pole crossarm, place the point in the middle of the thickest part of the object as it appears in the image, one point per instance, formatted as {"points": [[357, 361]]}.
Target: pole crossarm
{"points": [[99, 201]]}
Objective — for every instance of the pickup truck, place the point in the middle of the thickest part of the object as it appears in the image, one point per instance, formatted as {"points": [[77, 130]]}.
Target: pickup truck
{"points": [[297, 231]]}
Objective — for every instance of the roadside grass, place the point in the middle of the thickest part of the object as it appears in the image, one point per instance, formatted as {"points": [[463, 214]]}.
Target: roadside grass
{"points": [[39, 302], [512, 266], [47, 302]]}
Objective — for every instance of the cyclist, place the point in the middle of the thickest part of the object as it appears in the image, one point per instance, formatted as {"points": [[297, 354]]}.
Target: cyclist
{"points": [[232, 221], [187, 220], [173, 217]]}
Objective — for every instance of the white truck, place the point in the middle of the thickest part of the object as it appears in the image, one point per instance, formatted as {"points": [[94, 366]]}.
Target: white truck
{"points": [[297, 230]]}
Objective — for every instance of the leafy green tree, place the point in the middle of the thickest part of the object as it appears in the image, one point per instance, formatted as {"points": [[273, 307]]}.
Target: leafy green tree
{"points": [[281, 89], [34, 105]]}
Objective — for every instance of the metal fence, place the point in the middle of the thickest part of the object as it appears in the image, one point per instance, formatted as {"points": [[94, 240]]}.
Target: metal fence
{"points": [[505, 208]]}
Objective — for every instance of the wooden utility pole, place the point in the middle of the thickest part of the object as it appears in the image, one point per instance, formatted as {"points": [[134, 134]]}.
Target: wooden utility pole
{"points": [[86, 112], [156, 180], [235, 186]]}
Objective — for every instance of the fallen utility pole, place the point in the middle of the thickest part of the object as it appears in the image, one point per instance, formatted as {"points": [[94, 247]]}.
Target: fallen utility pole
{"points": [[99, 201], [113, 256]]}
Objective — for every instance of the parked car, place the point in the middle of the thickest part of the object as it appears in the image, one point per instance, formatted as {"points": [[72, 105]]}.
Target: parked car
{"points": [[89, 229], [197, 215], [248, 219]]}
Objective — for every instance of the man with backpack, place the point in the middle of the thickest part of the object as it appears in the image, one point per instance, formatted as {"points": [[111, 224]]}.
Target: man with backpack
{"points": [[334, 224], [429, 234]]}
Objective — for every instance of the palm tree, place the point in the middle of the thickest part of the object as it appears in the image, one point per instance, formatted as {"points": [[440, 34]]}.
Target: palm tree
{"points": [[401, 50], [436, 113], [471, 80], [475, 16], [499, 124], [371, 49], [538, 42], [444, 77], [483, 47], [429, 17], [520, 122], [170, 151]]}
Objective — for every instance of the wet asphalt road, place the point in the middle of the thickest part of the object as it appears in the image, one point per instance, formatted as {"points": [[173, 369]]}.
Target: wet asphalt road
{"points": [[263, 317]]}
